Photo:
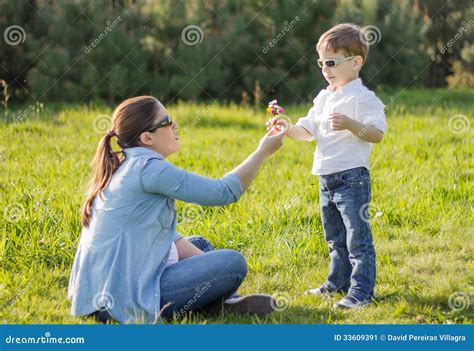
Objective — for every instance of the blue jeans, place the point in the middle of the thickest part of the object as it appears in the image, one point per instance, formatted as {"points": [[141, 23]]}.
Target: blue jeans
{"points": [[344, 199], [199, 280]]}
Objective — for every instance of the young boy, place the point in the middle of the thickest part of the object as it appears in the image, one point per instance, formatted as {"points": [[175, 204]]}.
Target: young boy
{"points": [[345, 120]]}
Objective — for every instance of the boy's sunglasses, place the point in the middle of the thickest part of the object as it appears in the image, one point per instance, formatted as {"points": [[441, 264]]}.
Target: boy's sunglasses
{"points": [[165, 122], [333, 62]]}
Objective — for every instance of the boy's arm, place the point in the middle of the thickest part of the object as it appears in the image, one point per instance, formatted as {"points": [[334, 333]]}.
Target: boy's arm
{"points": [[299, 133], [295, 132], [366, 132]]}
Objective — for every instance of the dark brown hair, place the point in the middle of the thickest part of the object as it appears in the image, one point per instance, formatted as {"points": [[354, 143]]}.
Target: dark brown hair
{"points": [[346, 37], [131, 118]]}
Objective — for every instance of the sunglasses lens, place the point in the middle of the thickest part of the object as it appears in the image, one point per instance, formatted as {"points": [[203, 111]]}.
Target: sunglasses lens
{"points": [[320, 63], [165, 122], [330, 63]]}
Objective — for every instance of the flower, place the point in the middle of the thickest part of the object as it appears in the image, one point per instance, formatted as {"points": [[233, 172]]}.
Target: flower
{"points": [[274, 110]]}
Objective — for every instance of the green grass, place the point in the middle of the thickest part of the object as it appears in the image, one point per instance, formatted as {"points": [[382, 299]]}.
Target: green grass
{"points": [[422, 176]]}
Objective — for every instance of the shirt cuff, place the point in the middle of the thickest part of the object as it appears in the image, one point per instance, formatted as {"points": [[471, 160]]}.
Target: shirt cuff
{"points": [[377, 122], [234, 184]]}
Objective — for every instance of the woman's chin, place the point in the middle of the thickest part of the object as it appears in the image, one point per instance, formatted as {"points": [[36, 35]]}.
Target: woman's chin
{"points": [[176, 148]]}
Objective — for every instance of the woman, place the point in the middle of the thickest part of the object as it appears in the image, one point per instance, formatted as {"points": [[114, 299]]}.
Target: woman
{"points": [[131, 264]]}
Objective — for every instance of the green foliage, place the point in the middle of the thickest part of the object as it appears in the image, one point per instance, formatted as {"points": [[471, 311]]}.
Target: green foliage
{"points": [[463, 76], [81, 51], [421, 179]]}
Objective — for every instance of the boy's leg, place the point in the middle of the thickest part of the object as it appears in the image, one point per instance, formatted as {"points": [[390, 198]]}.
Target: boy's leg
{"points": [[352, 199], [335, 234]]}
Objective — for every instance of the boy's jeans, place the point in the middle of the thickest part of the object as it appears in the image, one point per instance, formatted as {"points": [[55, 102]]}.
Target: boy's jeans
{"points": [[344, 198]]}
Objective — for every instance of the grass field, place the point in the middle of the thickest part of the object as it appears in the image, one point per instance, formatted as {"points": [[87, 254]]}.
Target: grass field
{"points": [[422, 177]]}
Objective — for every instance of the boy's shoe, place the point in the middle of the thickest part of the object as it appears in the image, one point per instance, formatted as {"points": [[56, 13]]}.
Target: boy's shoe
{"points": [[349, 302], [257, 304], [321, 291]]}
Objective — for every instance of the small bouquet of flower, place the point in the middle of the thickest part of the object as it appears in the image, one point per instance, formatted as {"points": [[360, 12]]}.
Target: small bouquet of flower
{"points": [[275, 111]]}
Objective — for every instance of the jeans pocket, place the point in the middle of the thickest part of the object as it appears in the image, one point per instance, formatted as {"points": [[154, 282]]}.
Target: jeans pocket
{"points": [[351, 177]]}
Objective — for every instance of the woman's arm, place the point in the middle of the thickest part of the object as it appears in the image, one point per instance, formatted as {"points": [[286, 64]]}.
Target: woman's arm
{"points": [[161, 177], [186, 249]]}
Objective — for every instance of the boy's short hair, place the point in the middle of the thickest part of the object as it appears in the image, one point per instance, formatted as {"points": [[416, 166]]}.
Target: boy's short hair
{"points": [[346, 37]]}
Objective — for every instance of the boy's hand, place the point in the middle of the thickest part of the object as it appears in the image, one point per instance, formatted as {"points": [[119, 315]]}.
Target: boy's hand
{"points": [[338, 121], [279, 124]]}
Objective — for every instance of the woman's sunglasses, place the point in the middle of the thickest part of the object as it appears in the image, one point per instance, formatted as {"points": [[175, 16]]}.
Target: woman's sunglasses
{"points": [[165, 122], [333, 62]]}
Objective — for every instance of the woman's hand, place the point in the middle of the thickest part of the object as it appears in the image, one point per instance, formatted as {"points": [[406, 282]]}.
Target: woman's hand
{"points": [[273, 140], [278, 123]]}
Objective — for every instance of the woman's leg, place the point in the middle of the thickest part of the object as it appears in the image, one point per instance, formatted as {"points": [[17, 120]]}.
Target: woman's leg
{"points": [[205, 245], [196, 281]]}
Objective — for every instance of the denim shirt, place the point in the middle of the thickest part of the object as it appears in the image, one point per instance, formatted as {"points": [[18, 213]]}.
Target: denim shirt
{"points": [[124, 250]]}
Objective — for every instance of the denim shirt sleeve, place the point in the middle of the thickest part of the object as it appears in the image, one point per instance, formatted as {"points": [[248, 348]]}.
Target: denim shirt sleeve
{"points": [[161, 177]]}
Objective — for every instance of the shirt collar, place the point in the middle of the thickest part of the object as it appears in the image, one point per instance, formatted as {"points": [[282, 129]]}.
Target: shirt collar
{"points": [[352, 86], [140, 151]]}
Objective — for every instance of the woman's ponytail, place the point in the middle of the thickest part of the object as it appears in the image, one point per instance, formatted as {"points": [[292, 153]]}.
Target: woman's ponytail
{"points": [[105, 163]]}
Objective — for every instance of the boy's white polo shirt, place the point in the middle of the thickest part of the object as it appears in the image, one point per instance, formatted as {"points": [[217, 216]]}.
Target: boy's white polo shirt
{"points": [[339, 150]]}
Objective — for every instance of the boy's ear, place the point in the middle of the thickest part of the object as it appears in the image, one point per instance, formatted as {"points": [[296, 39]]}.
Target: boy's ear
{"points": [[358, 62]]}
